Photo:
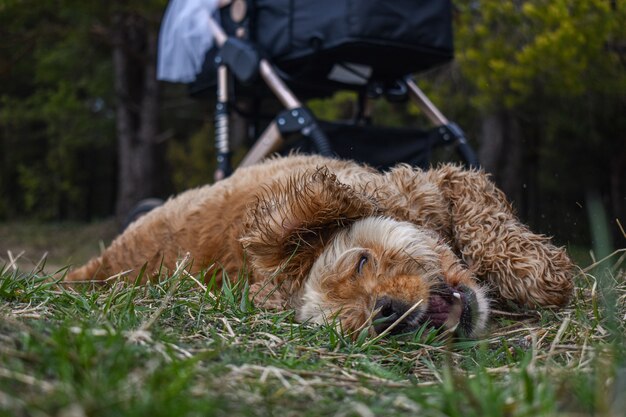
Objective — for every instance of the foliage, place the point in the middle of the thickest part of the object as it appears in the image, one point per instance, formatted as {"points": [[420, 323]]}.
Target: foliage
{"points": [[515, 50], [559, 68], [56, 112], [57, 107]]}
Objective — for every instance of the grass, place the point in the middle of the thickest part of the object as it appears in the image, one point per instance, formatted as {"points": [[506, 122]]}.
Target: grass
{"points": [[176, 348]]}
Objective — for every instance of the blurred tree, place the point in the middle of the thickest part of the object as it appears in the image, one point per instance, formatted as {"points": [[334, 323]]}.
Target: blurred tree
{"points": [[55, 115], [71, 71], [133, 38], [549, 81]]}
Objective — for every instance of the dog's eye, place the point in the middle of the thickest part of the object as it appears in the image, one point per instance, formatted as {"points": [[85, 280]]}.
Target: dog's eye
{"points": [[362, 261]]}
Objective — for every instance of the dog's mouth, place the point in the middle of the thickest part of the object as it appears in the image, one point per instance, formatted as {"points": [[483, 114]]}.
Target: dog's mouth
{"points": [[453, 308]]}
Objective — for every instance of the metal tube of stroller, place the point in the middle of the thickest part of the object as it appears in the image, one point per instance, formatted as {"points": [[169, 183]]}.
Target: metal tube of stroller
{"points": [[269, 141], [286, 97], [278, 87], [218, 32], [222, 112], [291, 102], [430, 110], [448, 130]]}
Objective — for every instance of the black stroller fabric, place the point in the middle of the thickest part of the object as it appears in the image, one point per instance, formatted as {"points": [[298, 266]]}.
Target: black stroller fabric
{"points": [[378, 146], [387, 39], [321, 46]]}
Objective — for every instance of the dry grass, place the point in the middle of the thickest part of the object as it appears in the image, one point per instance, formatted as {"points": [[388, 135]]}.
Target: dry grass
{"points": [[179, 348]]}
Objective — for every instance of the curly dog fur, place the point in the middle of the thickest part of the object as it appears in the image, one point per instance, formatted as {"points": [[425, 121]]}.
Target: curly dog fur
{"points": [[332, 238]]}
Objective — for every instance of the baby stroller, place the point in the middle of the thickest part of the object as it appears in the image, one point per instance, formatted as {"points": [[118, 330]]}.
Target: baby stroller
{"points": [[297, 50]]}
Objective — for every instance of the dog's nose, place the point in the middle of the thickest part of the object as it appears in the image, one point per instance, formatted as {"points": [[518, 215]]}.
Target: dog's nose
{"points": [[389, 311]]}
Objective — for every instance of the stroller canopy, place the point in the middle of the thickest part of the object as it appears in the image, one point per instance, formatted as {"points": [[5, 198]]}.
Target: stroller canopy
{"points": [[347, 42], [352, 41]]}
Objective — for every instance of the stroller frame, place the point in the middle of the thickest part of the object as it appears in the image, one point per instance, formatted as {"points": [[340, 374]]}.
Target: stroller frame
{"points": [[239, 59]]}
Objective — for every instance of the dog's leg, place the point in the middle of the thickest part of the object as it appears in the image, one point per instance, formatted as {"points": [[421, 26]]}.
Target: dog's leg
{"points": [[473, 213], [116, 261], [146, 244]]}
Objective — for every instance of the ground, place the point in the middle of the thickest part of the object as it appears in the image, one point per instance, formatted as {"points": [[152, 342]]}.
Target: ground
{"points": [[177, 348], [58, 244]]}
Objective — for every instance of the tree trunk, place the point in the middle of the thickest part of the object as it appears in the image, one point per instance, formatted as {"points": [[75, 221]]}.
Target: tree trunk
{"points": [[501, 154], [137, 93]]}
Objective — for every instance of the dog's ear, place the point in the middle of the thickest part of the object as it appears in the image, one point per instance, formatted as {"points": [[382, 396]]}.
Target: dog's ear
{"points": [[294, 218]]}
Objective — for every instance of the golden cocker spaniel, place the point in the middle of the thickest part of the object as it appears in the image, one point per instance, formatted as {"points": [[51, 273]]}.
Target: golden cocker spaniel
{"points": [[335, 239]]}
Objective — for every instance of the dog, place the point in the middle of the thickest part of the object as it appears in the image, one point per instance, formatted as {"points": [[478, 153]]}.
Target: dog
{"points": [[337, 240]]}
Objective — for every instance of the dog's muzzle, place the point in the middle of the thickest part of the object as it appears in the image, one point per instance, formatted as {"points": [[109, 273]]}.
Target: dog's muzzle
{"points": [[390, 311], [455, 309]]}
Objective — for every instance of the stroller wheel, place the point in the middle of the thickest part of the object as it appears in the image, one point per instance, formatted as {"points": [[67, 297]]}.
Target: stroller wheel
{"points": [[143, 207]]}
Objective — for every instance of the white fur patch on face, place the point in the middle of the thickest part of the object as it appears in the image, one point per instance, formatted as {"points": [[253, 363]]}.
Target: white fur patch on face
{"points": [[314, 309], [382, 232]]}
